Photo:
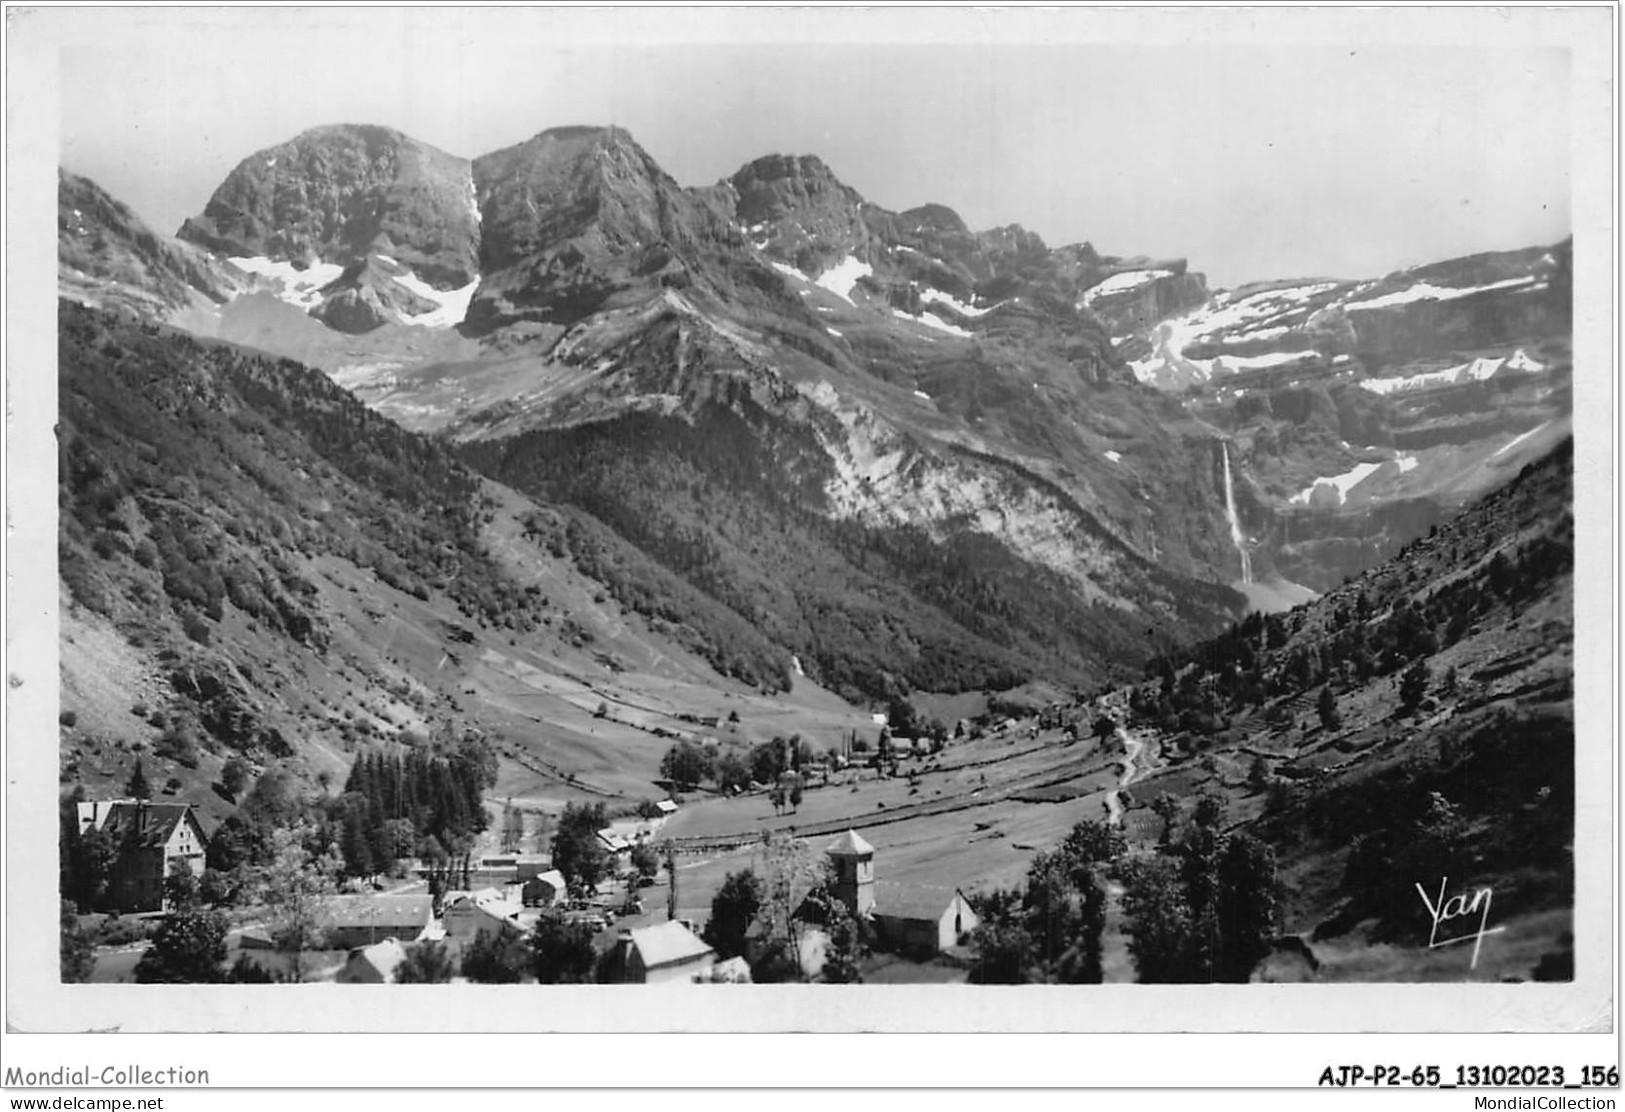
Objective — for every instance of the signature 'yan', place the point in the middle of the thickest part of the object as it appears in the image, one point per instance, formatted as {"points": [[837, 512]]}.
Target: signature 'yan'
{"points": [[1459, 907]]}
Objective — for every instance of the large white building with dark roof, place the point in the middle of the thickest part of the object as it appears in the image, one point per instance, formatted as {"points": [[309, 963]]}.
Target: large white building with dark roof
{"points": [[150, 840]]}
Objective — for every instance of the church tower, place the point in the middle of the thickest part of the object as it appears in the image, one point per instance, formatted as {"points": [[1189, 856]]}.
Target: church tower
{"points": [[854, 872]]}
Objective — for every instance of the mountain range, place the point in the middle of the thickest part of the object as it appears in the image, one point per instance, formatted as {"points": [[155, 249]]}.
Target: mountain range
{"points": [[774, 427]]}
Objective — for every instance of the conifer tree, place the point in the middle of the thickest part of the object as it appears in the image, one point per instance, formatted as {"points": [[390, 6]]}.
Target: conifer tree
{"points": [[1326, 707], [137, 786], [1413, 685]]}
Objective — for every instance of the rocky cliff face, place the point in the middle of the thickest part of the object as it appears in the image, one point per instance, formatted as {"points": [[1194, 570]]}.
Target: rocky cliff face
{"points": [[1366, 412], [579, 220], [1131, 301], [1473, 303], [369, 294], [339, 194], [795, 209]]}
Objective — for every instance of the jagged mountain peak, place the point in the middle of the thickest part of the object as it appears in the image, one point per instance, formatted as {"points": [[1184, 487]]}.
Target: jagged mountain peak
{"points": [[575, 218], [794, 208], [338, 193], [563, 146], [780, 187]]}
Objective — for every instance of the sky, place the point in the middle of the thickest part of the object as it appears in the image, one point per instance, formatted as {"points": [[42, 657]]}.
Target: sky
{"points": [[1274, 143]]}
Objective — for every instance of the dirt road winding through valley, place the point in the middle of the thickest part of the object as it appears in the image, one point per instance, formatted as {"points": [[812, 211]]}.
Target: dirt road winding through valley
{"points": [[1134, 762]]}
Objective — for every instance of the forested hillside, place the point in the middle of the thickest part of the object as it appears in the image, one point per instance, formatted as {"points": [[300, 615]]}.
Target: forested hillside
{"points": [[1415, 724], [733, 500]]}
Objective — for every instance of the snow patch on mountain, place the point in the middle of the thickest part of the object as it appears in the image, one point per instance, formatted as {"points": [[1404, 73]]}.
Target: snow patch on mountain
{"points": [[295, 286], [1256, 362], [1121, 281], [1231, 311], [1274, 333], [936, 295], [1342, 484], [1521, 361], [1425, 291], [452, 305], [930, 320], [1474, 370], [843, 276]]}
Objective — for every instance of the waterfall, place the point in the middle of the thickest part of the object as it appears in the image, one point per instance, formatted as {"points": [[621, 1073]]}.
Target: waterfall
{"points": [[1236, 536]]}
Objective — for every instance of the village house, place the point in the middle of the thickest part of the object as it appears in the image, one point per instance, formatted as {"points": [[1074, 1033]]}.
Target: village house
{"points": [[151, 840], [352, 921], [618, 849], [497, 870], [372, 965], [921, 921], [544, 889], [528, 866], [634, 830], [483, 914], [666, 953], [487, 874]]}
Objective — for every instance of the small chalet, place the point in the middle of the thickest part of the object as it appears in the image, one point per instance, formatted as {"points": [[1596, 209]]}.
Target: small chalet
{"points": [[528, 866], [618, 848], [354, 921], [922, 921], [151, 839], [482, 914], [666, 953], [508, 868], [372, 965], [544, 889]]}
